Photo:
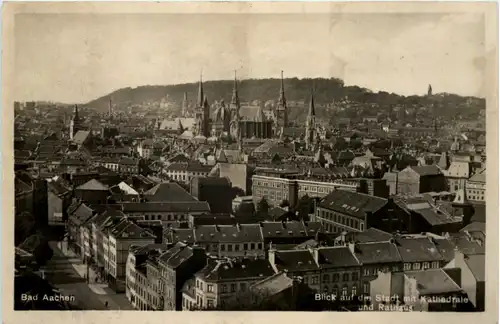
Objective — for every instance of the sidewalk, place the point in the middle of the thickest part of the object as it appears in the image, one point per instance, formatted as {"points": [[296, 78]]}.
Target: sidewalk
{"points": [[116, 301]]}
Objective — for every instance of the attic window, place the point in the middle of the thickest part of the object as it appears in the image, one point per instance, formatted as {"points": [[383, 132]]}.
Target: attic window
{"points": [[302, 232], [278, 232], [243, 266], [290, 232], [345, 206]]}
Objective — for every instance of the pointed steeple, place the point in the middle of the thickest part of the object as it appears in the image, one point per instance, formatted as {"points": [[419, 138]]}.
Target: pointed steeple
{"points": [[281, 108], [429, 90], [201, 96], [75, 113], [312, 111], [235, 100], [282, 99]]}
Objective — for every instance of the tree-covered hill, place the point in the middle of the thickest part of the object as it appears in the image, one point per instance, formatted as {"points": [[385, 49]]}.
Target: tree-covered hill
{"points": [[298, 92]]}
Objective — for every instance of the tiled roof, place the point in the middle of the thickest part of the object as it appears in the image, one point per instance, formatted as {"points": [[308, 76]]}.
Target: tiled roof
{"points": [[477, 264], [228, 233], [170, 206], [377, 252], [427, 170], [236, 270], [168, 191], [80, 137], [289, 229], [93, 185], [418, 250], [339, 256], [433, 282], [372, 234], [295, 260], [352, 203]]}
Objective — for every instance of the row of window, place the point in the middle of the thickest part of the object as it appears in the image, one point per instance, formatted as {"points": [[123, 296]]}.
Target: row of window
{"points": [[168, 217], [423, 265], [354, 276], [341, 219], [224, 288], [236, 247], [344, 290]]}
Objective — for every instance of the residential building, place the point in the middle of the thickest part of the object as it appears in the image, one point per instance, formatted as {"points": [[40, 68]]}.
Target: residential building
{"points": [[176, 266], [185, 172], [93, 192], [220, 282], [420, 179], [120, 238], [349, 211], [476, 187], [168, 212]]}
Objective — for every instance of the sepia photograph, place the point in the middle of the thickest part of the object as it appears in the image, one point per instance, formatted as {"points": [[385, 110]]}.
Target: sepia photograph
{"points": [[251, 161]]}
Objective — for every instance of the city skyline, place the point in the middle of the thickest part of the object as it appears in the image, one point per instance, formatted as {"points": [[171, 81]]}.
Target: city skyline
{"points": [[362, 49]]}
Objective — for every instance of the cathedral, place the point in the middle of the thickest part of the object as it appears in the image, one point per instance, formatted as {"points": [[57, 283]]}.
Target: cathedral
{"points": [[238, 120]]}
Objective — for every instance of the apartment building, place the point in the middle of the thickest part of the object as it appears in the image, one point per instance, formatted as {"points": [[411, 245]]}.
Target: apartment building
{"points": [[221, 281], [117, 244], [279, 185], [168, 212], [476, 187], [185, 172], [176, 266]]}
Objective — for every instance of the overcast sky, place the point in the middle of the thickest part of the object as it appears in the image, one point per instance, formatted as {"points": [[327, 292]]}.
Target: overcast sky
{"points": [[77, 58]]}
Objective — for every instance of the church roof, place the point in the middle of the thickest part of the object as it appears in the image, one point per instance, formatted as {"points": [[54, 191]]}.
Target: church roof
{"points": [[80, 137]]}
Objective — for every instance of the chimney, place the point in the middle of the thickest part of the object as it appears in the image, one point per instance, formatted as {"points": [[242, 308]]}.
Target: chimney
{"points": [[368, 217], [238, 226]]}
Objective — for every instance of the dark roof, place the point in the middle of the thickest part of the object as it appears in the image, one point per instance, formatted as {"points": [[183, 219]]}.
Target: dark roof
{"points": [[295, 260], [426, 170], [352, 203], [179, 235], [171, 206], [289, 229], [168, 191], [228, 233], [372, 234], [234, 270], [420, 249], [377, 252], [335, 257]]}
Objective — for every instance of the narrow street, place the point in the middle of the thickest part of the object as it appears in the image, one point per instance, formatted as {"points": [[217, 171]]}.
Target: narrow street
{"points": [[61, 272]]}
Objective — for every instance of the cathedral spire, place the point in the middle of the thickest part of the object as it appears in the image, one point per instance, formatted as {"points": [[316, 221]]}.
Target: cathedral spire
{"points": [[311, 123], [282, 100], [201, 96], [235, 100], [184, 105], [312, 111]]}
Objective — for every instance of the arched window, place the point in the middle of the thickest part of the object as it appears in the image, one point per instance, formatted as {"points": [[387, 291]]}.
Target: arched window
{"points": [[326, 278], [354, 290], [336, 277]]}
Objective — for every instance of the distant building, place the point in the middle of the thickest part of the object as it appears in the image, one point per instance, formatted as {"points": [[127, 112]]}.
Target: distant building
{"points": [[476, 187], [216, 191], [420, 179]]}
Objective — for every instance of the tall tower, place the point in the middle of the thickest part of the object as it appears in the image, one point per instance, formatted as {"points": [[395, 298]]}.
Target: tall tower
{"points": [[429, 90], [74, 124], [281, 109], [311, 124], [200, 111], [110, 108], [206, 118], [235, 99], [184, 110]]}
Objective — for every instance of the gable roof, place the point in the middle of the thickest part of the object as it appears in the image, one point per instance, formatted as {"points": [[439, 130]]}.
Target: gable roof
{"points": [[168, 191], [352, 203], [80, 137], [93, 185]]}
